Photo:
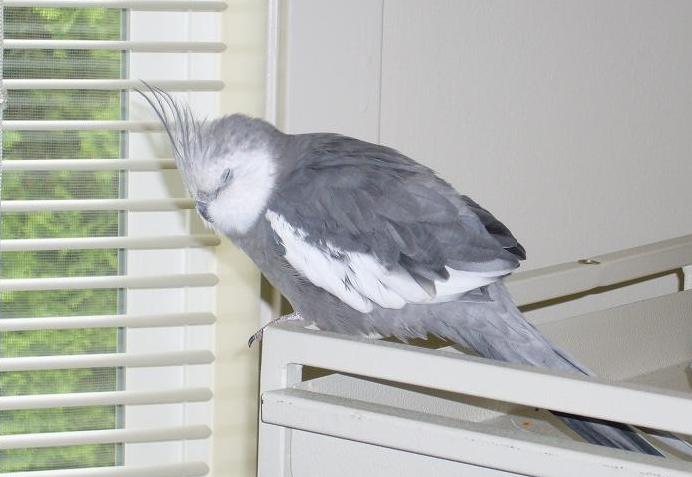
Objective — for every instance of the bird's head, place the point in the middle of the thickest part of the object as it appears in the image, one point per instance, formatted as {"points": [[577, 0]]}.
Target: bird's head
{"points": [[229, 165]]}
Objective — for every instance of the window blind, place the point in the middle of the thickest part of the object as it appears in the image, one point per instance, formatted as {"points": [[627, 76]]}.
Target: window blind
{"points": [[105, 274]]}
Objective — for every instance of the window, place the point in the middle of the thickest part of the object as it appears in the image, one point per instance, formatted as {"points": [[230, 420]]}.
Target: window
{"points": [[106, 291]]}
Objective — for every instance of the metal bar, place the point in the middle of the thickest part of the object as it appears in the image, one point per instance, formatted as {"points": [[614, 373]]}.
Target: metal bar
{"points": [[603, 270], [120, 281], [183, 469], [109, 398], [88, 164], [107, 436], [133, 205], [633, 404], [125, 243], [122, 45], [136, 5], [113, 84], [106, 321], [461, 441], [106, 360]]}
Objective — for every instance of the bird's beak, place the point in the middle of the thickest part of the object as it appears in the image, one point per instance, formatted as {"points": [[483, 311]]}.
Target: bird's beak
{"points": [[202, 209]]}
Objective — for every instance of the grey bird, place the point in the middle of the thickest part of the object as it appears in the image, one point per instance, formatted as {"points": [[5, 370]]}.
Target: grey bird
{"points": [[363, 240]]}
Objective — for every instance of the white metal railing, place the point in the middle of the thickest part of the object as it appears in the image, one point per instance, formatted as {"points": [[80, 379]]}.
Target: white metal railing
{"points": [[603, 270], [287, 405], [288, 346], [633, 404]]}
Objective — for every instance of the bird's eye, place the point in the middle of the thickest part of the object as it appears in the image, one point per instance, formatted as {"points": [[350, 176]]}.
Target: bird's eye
{"points": [[227, 176]]}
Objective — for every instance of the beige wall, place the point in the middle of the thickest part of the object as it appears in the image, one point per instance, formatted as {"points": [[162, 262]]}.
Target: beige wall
{"points": [[236, 369], [569, 120]]}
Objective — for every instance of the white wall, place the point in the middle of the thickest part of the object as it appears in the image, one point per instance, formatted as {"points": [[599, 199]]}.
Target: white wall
{"points": [[571, 121]]}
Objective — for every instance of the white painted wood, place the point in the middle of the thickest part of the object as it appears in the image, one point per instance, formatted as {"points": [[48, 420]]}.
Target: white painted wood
{"points": [[106, 398], [451, 439], [186, 469]]}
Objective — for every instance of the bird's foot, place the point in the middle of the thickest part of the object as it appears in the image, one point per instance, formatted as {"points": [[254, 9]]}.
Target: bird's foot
{"points": [[260, 333]]}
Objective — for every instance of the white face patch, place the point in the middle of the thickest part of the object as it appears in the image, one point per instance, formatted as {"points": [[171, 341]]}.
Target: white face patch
{"points": [[237, 207], [359, 279]]}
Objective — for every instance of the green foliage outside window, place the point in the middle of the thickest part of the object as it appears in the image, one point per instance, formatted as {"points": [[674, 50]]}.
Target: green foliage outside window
{"points": [[59, 23]]}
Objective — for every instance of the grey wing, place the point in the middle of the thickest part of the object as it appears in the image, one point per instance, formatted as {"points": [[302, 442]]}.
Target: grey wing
{"points": [[359, 219]]}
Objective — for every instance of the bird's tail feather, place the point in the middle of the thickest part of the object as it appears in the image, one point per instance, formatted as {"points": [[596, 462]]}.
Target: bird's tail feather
{"points": [[534, 349]]}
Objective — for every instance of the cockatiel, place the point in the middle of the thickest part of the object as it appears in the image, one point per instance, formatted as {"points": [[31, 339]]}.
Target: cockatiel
{"points": [[363, 240]]}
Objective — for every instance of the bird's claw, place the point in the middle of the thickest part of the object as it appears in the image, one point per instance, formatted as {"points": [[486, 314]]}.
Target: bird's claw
{"points": [[257, 336], [260, 333]]}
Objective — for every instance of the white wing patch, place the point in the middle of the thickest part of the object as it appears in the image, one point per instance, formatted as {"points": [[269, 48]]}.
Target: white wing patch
{"points": [[359, 280]]}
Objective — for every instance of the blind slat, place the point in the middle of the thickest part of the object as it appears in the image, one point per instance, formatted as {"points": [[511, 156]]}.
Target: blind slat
{"points": [[125, 243], [122, 45], [133, 205], [185, 469], [106, 360], [136, 5], [106, 321], [111, 84], [107, 398], [88, 164], [108, 436], [34, 32], [122, 281], [78, 125]]}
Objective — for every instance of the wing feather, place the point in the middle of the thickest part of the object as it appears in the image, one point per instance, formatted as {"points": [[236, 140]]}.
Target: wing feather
{"points": [[359, 280], [371, 226]]}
